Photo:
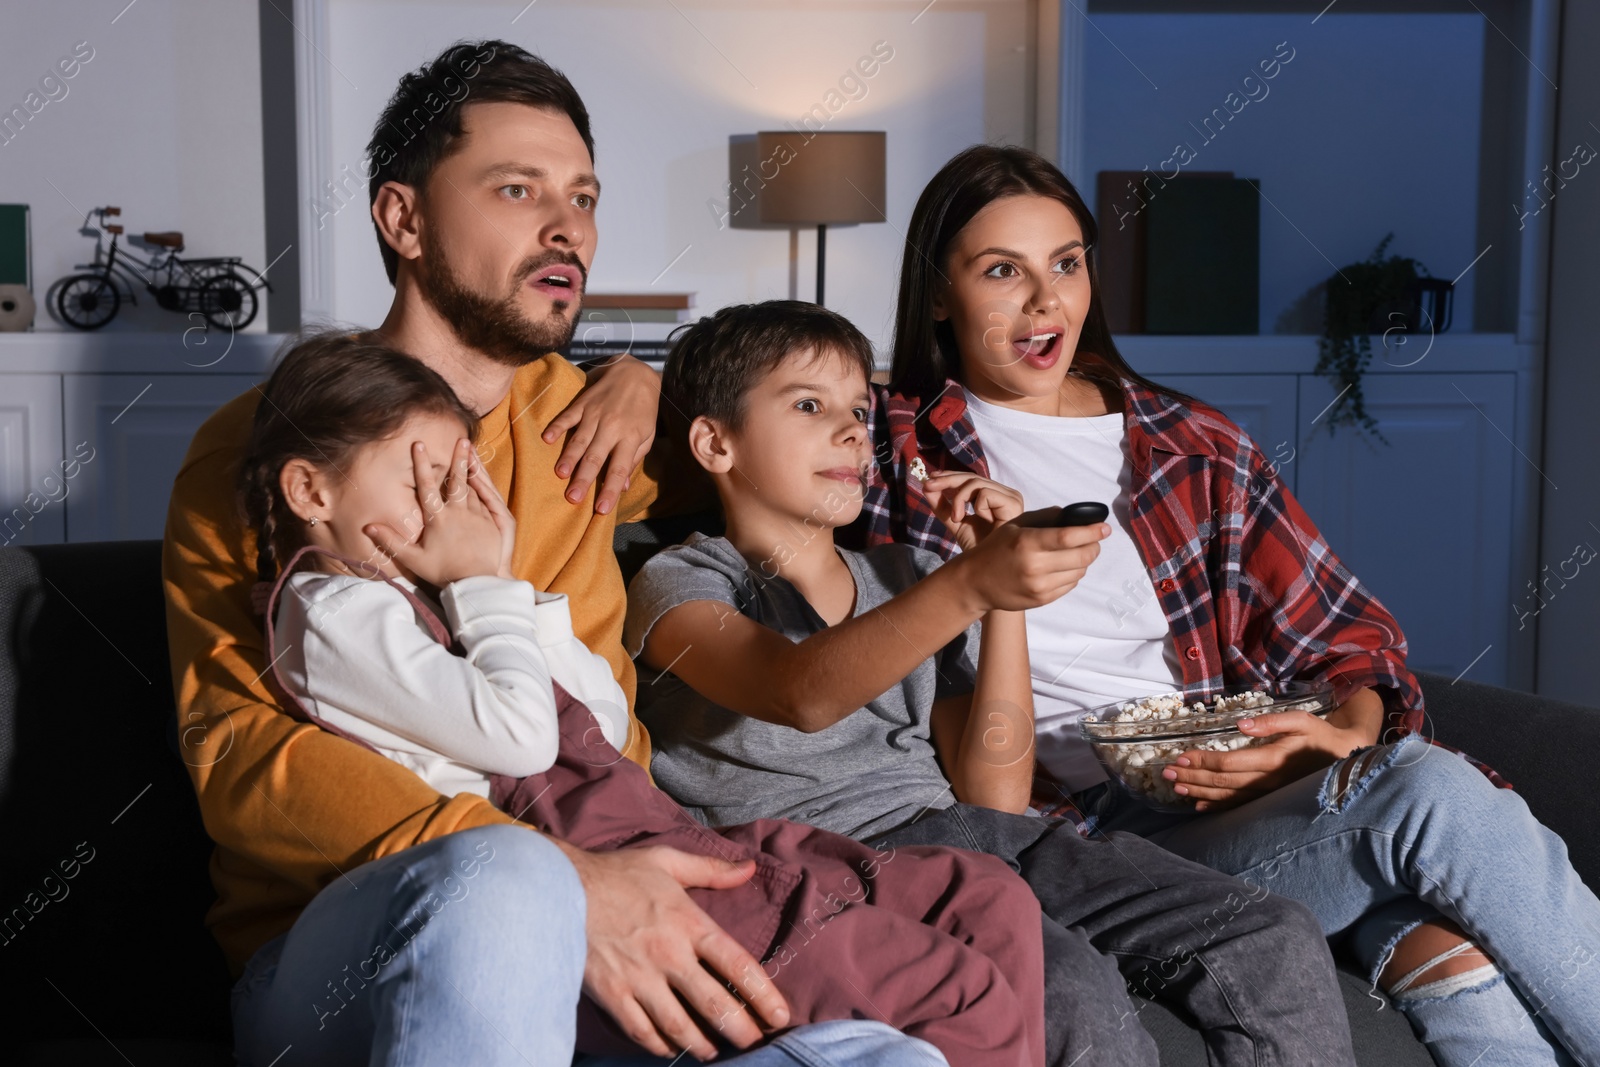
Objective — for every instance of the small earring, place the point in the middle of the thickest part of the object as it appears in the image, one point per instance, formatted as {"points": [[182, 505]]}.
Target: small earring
{"points": [[313, 520]]}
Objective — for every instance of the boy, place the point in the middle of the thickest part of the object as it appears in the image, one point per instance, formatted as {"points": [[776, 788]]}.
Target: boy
{"points": [[885, 697]]}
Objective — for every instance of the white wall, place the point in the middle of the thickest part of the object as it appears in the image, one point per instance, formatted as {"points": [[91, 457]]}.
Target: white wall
{"points": [[1373, 126], [164, 121], [666, 84]]}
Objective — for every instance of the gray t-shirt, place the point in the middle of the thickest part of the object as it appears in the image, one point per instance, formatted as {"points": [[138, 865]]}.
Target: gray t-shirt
{"points": [[869, 773]]}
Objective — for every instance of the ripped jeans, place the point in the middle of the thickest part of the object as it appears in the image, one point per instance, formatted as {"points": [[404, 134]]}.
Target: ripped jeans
{"points": [[1397, 834]]}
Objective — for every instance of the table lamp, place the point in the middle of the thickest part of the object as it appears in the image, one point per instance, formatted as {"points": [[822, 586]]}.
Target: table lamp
{"points": [[791, 178]]}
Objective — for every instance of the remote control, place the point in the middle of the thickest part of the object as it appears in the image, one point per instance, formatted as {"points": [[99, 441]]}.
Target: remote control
{"points": [[1083, 513]]}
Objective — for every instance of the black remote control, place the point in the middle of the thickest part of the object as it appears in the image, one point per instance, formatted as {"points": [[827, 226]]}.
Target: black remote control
{"points": [[1083, 513]]}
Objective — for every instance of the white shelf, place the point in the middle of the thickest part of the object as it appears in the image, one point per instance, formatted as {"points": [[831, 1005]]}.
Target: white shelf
{"points": [[1156, 355], [177, 352]]}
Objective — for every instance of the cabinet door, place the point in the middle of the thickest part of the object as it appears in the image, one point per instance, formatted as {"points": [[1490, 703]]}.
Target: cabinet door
{"points": [[1424, 521], [139, 427], [1264, 405], [33, 485]]}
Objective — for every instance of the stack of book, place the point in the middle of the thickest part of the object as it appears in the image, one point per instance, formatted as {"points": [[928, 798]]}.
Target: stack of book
{"points": [[637, 307], [636, 323], [1180, 255]]}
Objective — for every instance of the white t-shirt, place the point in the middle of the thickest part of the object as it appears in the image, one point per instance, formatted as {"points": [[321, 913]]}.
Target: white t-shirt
{"points": [[1108, 638], [355, 653]]}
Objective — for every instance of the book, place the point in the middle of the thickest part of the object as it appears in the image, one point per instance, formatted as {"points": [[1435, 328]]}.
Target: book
{"points": [[1203, 257]]}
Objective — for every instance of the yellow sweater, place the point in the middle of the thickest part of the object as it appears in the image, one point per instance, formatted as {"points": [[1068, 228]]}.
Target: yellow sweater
{"points": [[290, 806]]}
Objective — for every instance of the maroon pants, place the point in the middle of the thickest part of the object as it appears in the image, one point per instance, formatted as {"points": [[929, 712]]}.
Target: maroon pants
{"points": [[943, 944]]}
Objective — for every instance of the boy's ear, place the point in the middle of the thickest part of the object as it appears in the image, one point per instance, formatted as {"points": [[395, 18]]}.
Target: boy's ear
{"points": [[709, 446], [304, 489]]}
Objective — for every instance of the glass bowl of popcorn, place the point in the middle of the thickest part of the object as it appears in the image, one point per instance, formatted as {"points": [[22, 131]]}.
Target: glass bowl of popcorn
{"points": [[1136, 739]]}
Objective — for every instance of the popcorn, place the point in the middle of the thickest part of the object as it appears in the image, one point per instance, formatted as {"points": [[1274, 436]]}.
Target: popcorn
{"points": [[919, 469], [1172, 728]]}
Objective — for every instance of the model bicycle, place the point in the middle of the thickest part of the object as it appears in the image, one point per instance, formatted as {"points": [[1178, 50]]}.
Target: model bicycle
{"points": [[222, 289]]}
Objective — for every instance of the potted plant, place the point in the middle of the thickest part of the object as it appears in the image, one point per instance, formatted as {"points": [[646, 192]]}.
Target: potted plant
{"points": [[1377, 295]]}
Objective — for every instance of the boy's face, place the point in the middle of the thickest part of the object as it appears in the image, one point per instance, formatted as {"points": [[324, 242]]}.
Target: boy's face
{"points": [[802, 450]]}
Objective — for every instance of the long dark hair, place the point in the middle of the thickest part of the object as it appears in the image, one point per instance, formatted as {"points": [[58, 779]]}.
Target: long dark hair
{"points": [[332, 393], [925, 352]]}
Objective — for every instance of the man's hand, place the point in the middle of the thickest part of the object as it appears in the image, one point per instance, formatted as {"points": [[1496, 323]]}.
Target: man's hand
{"points": [[649, 945], [613, 422], [1298, 743]]}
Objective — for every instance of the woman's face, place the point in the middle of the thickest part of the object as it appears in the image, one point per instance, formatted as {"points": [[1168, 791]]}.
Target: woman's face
{"points": [[1016, 295]]}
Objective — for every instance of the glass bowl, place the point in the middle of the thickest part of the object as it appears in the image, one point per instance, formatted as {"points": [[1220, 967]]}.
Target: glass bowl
{"points": [[1136, 739]]}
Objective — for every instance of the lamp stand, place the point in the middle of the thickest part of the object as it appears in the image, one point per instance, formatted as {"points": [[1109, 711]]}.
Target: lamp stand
{"points": [[822, 249]]}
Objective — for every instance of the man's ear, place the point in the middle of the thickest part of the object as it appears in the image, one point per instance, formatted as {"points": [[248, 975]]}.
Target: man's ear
{"points": [[395, 210], [305, 489], [709, 445]]}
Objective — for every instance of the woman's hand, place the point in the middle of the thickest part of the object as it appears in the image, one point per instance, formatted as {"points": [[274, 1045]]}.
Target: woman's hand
{"points": [[992, 504], [613, 422], [1297, 744], [459, 538]]}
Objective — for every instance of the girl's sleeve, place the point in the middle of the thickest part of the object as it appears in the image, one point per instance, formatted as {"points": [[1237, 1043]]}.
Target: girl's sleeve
{"points": [[367, 656], [581, 672]]}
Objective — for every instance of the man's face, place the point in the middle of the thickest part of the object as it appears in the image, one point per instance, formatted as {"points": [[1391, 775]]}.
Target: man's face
{"points": [[508, 231]]}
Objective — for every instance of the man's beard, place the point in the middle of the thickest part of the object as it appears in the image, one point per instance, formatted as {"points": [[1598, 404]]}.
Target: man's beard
{"points": [[497, 328]]}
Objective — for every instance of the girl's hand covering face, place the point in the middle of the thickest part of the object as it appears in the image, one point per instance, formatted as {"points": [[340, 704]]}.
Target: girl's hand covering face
{"points": [[490, 496], [991, 504], [460, 536]]}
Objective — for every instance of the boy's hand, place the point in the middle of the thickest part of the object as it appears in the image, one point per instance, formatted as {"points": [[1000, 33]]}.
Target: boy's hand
{"points": [[992, 504], [1019, 567], [459, 538]]}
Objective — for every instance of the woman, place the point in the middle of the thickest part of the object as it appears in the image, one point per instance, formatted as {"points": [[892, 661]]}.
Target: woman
{"points": [[1455, 899]]}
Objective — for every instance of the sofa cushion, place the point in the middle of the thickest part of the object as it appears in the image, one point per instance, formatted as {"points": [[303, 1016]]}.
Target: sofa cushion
{"points": [[90, 787]]}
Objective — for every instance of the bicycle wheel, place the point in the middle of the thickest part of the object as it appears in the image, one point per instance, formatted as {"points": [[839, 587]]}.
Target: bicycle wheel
{"points": [[228, 302], [88, 301]]}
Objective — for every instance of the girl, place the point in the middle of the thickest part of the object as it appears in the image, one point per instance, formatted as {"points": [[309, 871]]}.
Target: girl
{"points": [[1458, 902], [345, 469]]}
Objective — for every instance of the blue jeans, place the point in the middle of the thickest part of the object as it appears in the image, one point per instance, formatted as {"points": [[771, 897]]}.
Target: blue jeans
{"points": [[1398, 834], [465, 949]]}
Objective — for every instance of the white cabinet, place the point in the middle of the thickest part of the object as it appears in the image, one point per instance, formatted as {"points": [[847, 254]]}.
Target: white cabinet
{"points": [[139, 427], [33, 484], [1425, 521]]}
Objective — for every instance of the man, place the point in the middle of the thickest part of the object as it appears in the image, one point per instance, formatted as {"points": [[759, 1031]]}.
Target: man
{"points": [[372, 919]]}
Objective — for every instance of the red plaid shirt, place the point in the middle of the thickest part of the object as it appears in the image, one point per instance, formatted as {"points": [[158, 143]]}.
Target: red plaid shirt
{"points": [[1253, 593]]}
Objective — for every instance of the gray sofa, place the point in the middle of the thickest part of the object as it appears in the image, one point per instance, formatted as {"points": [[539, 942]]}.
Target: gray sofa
{"points": [[116, 966]]}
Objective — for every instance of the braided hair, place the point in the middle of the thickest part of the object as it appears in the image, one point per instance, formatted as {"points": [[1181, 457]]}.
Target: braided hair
{"points": [[332, 393]]}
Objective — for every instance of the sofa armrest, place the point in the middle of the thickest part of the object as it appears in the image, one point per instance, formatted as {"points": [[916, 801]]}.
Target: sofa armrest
{"points": [[1545, 747]]}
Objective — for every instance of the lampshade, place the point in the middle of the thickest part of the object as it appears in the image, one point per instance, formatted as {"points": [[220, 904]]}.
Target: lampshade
{"points": [[789, 178]]}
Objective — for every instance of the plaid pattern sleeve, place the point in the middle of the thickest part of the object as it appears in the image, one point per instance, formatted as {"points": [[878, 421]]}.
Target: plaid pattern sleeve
{"points": [[1253, 591]]}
